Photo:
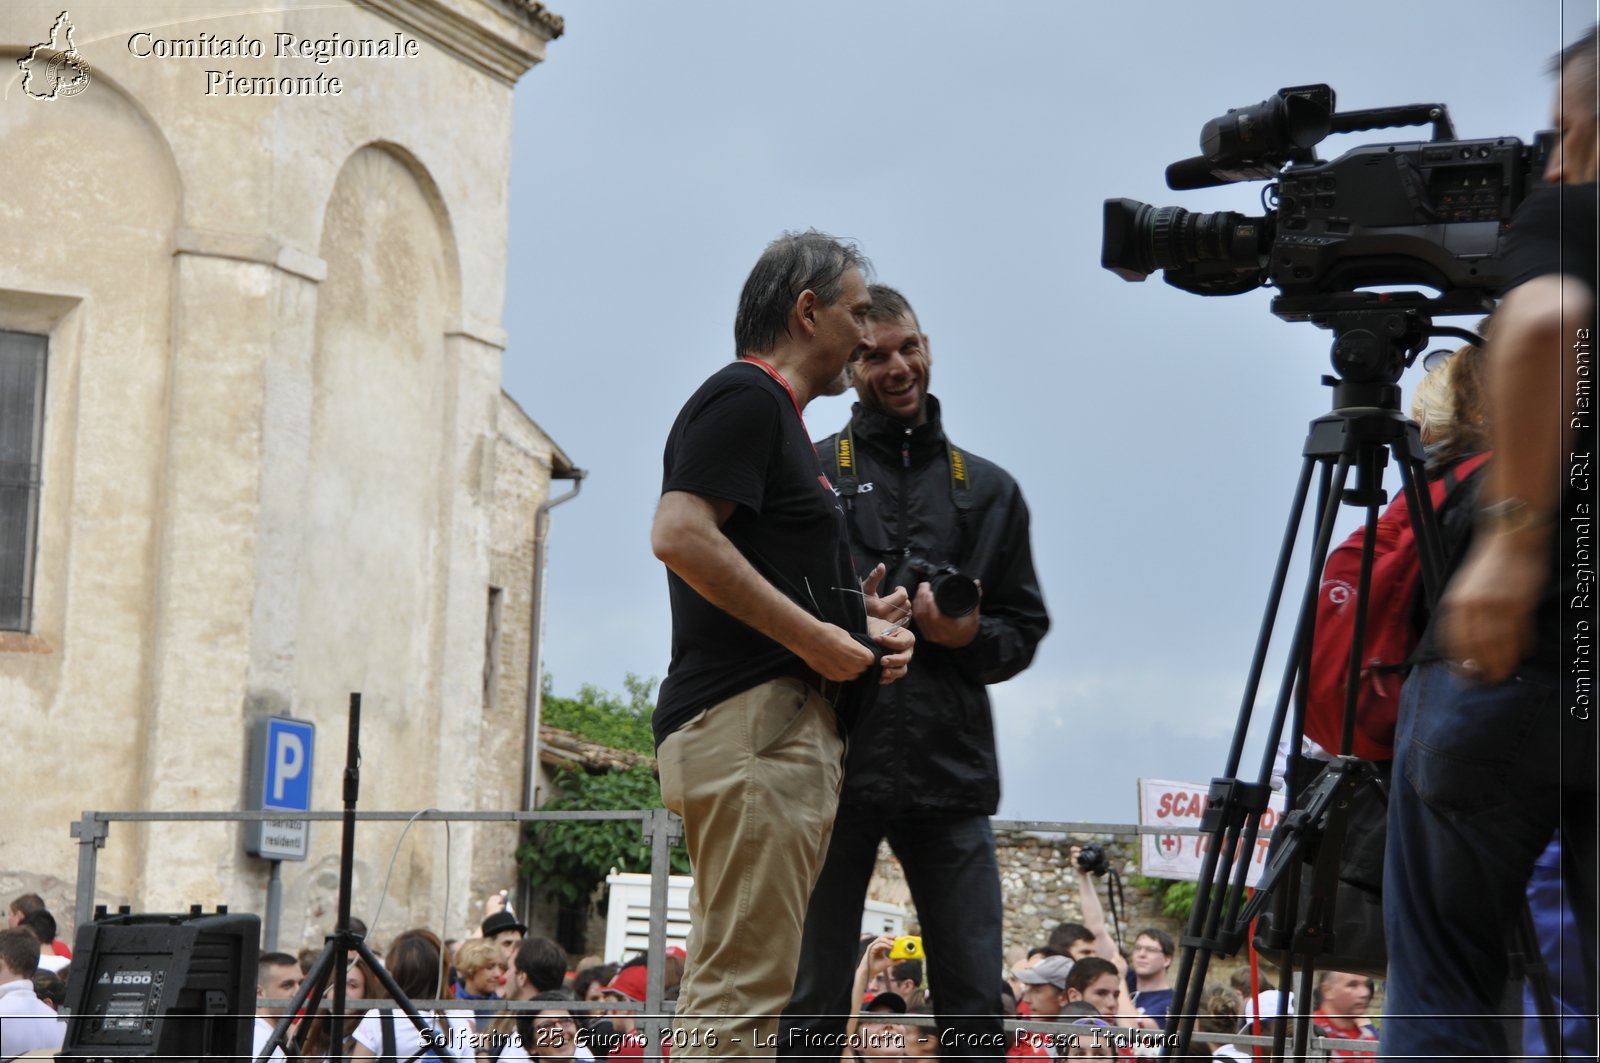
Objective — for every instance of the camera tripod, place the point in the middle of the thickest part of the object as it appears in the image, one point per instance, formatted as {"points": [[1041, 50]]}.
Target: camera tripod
{"points": [[1375, 338], [334, 959]]}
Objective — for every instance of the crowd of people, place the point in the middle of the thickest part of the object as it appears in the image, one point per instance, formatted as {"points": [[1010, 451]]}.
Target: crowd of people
{"points": [[1097, 1002], [33, 978], [499, 966], [1065, 981]]}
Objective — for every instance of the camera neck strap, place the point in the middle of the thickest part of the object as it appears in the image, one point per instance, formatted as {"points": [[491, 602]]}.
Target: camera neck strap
{"points": [[848, 483]]}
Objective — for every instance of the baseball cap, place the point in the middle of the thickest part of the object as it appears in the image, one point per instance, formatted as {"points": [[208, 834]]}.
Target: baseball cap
{"points": [[1052, 970], [1270, 1003], [629, 982], [886, 1001]]}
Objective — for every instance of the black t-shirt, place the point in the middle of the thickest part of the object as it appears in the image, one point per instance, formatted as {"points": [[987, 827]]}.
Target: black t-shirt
{"points": [[740, 438], [1555, 231]]}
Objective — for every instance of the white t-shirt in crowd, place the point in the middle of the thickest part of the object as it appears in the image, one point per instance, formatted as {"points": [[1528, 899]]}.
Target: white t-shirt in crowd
{"points": [[262, 1033], [459, 1028], [26, 1022]]}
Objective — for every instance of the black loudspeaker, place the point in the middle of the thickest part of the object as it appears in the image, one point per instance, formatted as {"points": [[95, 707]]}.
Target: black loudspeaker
{"points": [[181, 987]]}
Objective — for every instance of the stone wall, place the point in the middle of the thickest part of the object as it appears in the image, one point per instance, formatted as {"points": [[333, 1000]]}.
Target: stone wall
{"points": [[524, 458], [1039, 886]]}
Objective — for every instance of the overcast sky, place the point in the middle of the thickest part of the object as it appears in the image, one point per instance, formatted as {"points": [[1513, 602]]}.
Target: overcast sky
{"points": [[968, 148]]}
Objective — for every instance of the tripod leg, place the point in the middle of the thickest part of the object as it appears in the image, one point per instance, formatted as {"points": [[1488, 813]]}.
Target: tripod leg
{"points": [[1425, 525], [1358, 638], [313, 982], [1211, 897], [1529, 957]]}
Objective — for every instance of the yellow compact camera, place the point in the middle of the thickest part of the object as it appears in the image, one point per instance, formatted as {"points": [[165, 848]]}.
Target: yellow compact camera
{"points": [[906, 948]]}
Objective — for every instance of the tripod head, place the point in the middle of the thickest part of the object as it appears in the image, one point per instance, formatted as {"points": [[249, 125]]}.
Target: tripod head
{"points": [[1378, 335]]}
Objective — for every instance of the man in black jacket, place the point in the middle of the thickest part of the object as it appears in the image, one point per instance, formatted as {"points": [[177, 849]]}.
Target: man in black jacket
{"points": [[921, 769]]}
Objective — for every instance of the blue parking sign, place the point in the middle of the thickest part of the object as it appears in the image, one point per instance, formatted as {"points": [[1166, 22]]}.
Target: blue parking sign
{"points": [[281, 756], [288, 767]]}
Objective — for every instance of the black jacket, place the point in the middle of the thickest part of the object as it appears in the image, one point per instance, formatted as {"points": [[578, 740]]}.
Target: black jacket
{"points": [[929, 745]]}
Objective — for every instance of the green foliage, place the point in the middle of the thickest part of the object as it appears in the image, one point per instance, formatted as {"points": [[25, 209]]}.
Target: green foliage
{"points": [[1176, 898], [569, 860], [604, 717]]}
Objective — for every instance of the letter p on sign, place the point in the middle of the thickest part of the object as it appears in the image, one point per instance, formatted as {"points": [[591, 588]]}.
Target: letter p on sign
{"points": [[288, 763]]}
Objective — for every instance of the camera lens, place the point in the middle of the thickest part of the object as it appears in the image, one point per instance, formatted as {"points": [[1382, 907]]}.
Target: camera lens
{"points": [[955, 595], [1219, 252]]}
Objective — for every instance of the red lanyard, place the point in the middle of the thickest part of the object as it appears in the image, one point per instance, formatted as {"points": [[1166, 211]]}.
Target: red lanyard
{"points": [[774, 374]]}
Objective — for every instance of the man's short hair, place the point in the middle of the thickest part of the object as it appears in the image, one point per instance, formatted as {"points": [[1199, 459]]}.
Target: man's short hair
{"points": [[1087, 970], [1160, 937], [42, 923], [791, 264], [907, 971], [19, 949], [889, 305], [1586, 48], [27, 902], [543, 963], [1066, 935], [268, 960]]}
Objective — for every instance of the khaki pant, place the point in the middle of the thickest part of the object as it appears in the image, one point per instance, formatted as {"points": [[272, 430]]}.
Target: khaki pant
{"points": [[756, 780]]}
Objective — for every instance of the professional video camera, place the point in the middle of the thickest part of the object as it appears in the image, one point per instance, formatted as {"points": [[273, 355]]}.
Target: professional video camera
{"points": [[1432, 213]]}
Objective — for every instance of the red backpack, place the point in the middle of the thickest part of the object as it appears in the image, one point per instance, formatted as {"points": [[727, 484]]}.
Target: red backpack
{"points": [[1391, 634]]}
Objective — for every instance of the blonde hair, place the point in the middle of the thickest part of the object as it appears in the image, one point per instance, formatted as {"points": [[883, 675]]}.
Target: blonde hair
{"points": [[474, 955], [1449, 408]]}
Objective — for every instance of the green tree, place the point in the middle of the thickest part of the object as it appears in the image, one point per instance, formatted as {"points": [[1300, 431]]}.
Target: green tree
{"points": [[604, 717], [569, 860], [1175, 897]]}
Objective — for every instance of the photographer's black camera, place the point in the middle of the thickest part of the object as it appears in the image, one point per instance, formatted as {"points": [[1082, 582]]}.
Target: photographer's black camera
{"points": [[1093, 860], [1432, 213], [955, 594]]}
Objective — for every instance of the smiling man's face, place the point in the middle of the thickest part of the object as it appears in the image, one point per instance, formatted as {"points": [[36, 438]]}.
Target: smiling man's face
{"points": [[892, 377]]}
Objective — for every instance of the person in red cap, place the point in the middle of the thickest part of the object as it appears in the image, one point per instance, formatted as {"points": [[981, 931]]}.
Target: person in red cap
{"points": [[629, 984]]}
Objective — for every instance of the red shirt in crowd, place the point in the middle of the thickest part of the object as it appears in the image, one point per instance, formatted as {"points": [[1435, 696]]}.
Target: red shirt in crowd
{"points": [[1362, 1031]]}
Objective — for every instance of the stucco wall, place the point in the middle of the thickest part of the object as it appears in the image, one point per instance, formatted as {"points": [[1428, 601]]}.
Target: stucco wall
{"points": [[273, 383]]}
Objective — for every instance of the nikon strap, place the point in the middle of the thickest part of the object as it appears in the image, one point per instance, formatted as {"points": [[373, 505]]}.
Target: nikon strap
{"points": [[849, 484]]}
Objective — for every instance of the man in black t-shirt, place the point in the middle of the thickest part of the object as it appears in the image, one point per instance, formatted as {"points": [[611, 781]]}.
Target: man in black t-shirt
{"points": [[769, 628], [1496, 743]]}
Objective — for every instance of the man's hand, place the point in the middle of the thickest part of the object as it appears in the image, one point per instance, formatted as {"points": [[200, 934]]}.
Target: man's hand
{"points": [[833, 653], [876, 959], [1486, 614], [898, 644], [893, 606], [936, 627]]}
